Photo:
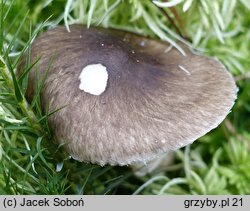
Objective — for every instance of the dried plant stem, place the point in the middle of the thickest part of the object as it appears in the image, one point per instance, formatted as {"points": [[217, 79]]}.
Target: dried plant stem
{"points": [[181, 30], [179, 20], [164, 12]]}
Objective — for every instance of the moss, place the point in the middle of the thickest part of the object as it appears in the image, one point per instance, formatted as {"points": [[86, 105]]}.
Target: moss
{"points": [[31, 164]]}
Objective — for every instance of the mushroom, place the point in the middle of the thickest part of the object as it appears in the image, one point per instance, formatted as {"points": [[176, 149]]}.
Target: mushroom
{"points": [[126, 98]]}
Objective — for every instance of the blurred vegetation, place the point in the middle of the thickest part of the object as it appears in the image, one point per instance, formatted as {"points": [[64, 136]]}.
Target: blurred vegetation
{"points": [[30, 162]]}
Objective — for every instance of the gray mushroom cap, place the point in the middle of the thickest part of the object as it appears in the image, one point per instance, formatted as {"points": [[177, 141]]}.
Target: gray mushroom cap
{"points": [[154, 102]]}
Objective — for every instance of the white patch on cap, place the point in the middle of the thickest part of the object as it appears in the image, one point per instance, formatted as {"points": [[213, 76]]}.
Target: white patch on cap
{"points": [[93, 79]]}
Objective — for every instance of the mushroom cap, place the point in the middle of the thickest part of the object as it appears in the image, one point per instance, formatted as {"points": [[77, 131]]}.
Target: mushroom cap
{"points": [[155, 101]]}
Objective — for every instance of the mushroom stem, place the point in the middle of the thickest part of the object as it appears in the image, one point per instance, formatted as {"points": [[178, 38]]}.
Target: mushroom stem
{"points": [[23, 104]]}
